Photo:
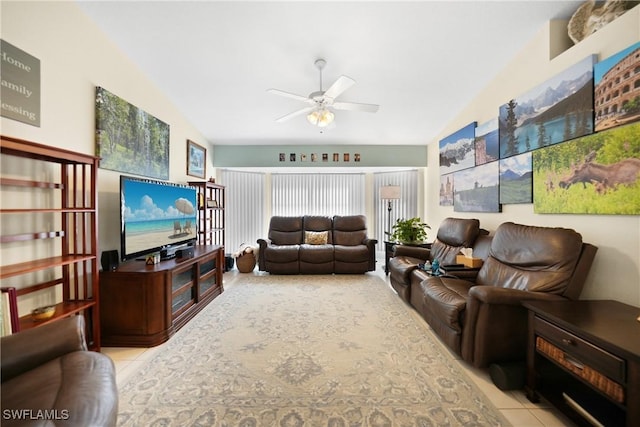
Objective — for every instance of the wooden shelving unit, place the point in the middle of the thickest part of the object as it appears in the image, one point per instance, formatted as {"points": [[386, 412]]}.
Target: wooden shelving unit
{"points": [[73, 208], [211, 212]]}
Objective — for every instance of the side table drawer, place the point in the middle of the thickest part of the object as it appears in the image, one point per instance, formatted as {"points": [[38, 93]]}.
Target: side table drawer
{"points": [[594, 357]]}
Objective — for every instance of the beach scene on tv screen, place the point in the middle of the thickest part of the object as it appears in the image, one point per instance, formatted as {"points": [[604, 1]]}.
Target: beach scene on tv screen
{"points": [[156, 215]]}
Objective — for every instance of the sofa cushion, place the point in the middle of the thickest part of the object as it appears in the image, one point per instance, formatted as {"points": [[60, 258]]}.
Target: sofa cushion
{"points": [[349, 230], [281, 253], [284, 230], [316, 254], [536, 259], [80, 386], [453, 235], [316, 237], [352, 254]]}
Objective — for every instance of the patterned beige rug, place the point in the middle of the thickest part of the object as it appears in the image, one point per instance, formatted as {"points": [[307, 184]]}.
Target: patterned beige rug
{"points": [[304, 351]]}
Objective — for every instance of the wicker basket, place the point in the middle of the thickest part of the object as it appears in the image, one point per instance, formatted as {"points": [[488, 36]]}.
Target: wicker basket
{"points": [[246, 263]]}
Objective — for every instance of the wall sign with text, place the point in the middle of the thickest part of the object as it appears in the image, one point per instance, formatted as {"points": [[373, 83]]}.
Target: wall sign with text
{"points": [[20, 85]]}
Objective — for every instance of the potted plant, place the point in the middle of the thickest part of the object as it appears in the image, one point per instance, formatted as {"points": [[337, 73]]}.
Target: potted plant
{"points": [[411, 230]]}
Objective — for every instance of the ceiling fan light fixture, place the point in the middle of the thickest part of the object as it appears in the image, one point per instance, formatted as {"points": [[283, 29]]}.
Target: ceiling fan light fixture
{"points": [[320, 118]]}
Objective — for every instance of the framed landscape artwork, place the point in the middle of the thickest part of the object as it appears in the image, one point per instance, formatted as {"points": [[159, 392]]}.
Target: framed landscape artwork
{"points": [[446, 190], [594, 174], [617, 89], [456, 150], [558, 110], [196, 160], [477, 189], [516, 179], [129, 139], [487, 142]]}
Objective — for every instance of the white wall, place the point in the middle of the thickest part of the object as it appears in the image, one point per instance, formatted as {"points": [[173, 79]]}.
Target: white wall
{"points": [[616, 270], [75, 57]]}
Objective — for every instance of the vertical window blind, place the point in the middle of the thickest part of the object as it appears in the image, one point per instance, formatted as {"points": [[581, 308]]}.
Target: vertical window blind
{"points": [[318, 194], [244, 209], [311, 194], [405, 207]]}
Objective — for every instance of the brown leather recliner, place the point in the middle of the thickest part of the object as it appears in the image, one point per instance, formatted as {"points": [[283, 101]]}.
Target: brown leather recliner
{"points": [[48, 369], [453, 235], [354, 251], [485, 321]]}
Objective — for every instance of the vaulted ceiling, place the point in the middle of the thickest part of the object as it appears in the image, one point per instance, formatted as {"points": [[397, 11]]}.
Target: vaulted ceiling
{"points": [[421, 61]]}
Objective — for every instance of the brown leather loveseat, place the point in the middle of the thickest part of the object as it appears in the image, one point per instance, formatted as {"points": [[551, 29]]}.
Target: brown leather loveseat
{"points": [[317, 245], [484, 321], [49, 378]]}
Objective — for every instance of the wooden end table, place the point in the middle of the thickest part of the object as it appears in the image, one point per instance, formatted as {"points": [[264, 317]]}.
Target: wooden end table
{"points": [[584, 357]]}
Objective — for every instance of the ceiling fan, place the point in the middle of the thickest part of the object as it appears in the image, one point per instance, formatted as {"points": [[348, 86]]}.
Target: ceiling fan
{"points": [[322, 102]]}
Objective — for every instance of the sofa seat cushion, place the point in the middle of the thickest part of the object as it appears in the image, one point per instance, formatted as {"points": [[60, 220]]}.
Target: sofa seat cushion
{"points": [[352, 254], [80, 386], [446, 299], [281, 253], [316, 254]]}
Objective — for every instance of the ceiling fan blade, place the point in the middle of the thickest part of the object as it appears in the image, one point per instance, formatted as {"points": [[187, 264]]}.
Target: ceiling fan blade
{"points": [[343, 83], [354, 106], [291, 95], [294, 114]]}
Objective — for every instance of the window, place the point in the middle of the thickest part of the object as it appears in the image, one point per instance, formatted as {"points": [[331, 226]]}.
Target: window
{"points": [[405, 207], [244, 209], [318, 194]]}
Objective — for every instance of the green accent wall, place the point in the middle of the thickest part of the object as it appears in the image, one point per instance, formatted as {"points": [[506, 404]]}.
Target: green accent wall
{"points": [[315, 155]]}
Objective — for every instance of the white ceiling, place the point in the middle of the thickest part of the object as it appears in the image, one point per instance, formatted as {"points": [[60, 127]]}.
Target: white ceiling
{"points": [[421, 61]]}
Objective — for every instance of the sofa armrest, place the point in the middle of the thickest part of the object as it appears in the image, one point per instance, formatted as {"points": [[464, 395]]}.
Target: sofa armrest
{"points": [[370, 242], [505, 296], [412, 251], [29, 349], [262, 245], [495, 327]]}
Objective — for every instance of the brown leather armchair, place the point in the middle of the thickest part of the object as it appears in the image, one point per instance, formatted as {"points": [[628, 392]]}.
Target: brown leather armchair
{"points": [[49, 370], [453, 235], [484, 322]]}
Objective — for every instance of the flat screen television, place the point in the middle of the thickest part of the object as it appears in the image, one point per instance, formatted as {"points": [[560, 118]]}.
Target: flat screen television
{"points": [[155, 216]]}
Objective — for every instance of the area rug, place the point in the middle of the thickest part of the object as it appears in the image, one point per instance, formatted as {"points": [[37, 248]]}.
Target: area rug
{"points": [[339, 350]]}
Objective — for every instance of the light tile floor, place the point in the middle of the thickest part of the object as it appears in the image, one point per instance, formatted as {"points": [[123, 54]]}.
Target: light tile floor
{"points": [[513, 404]]}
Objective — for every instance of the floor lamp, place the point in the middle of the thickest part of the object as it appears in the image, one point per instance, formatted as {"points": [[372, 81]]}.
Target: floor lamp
{"points": [[389, 193]]}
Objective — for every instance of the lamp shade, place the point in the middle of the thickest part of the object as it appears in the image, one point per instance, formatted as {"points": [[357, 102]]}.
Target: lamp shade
{"points": [[390, 192]]}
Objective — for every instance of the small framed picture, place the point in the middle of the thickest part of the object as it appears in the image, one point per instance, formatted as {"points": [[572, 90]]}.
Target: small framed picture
{"points": [[345, 157], [282, 157], [356, 157], [325, 157], [336, 157], [196, 160], [292, 157]]}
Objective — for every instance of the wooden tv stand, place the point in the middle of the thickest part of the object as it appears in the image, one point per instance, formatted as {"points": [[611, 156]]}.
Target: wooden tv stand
{"points": [[144, 305]]}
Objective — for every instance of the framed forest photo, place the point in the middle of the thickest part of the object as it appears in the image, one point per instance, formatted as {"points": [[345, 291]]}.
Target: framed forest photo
{"points": [[128, 139], [196, 160]]}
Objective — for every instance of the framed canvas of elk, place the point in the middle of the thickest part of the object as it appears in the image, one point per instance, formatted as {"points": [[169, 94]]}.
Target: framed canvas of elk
{"points": [[594, 174]]}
